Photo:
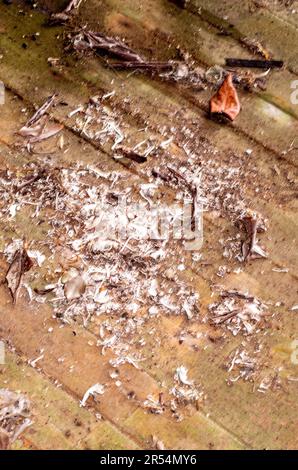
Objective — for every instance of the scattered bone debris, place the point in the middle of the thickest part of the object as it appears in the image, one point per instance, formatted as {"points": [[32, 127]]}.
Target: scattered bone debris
{"points": [[226, 102], [121, 288], [241, 364], [181, 375], [246, 362], [124, 289], [154, 405], [239, 312], [129, 59], [93, 391], [272, 382], [14, 417], [115, 275], [97, 123], [185, 391], [245, 79]]}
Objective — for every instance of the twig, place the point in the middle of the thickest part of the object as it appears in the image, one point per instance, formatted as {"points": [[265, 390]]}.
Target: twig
{"points": [[252, 63]]}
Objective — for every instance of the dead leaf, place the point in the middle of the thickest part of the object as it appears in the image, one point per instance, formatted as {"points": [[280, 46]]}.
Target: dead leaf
{"points": [[21, 263], [226, 100]]}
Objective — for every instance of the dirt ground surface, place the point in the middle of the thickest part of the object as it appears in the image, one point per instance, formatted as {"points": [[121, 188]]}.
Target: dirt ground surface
{"points": [[135, 343]]}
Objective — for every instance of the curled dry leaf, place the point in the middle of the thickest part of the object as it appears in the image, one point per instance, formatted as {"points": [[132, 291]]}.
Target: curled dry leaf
{"points": [[20, 264], [226, 100]]}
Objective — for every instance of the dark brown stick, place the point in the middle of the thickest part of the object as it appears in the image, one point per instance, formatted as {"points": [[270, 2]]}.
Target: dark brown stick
{"points": [[252, 63]]}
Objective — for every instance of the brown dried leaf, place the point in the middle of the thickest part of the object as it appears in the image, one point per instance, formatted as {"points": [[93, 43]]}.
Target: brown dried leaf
{"points": [[226, 100], [21, 263]]}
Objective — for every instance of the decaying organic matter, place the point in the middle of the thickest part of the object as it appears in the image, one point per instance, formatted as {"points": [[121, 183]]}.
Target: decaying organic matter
{"points": [[124, 57], [226, 101], [127, 325]]}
